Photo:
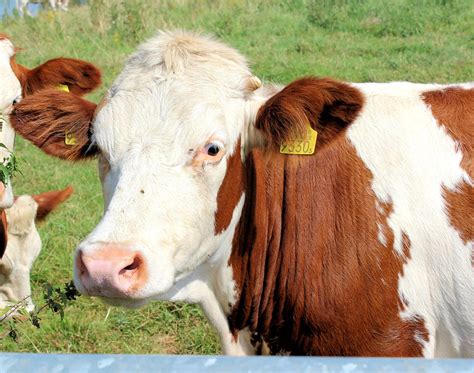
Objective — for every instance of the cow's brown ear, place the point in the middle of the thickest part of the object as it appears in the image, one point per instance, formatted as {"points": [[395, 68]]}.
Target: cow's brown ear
{"points": [[56, 122], [79, 76], [48, 201], [329, 106]]}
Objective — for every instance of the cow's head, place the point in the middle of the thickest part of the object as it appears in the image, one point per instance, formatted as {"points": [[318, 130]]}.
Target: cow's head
{"points": [[170, 134], [17, 81], [80, 77]]}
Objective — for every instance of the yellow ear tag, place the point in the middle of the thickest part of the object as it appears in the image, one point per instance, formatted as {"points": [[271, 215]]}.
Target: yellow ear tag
{"points": [[70, 139], [302, 146], [63, 87]]}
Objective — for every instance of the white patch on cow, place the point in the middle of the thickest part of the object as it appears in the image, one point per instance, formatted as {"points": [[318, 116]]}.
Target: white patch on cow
{"points": [[212, 286], [381, 235], [24, 246], [422, 158], [10, 89]]}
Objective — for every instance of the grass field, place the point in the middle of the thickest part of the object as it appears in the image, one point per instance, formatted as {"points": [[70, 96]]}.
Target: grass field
{"points": [[423, 41]]}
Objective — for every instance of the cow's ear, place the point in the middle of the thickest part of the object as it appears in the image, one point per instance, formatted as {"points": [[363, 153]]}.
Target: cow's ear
{"points": [[329, 106], [57, 122], [79, 76], [48, 201]]}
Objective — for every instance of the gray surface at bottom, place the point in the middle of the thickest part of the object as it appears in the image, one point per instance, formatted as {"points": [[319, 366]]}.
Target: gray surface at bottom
{"points": [[52, 363]]}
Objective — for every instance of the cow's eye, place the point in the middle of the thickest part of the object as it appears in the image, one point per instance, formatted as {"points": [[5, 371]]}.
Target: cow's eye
{"points": [[211, 153], [213, 149]]}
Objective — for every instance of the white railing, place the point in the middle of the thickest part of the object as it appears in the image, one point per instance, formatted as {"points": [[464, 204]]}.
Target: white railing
{"points": [[48, 363]]}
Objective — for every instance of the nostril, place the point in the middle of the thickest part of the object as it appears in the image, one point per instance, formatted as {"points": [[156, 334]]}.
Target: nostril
{"points": [[132, 267]]}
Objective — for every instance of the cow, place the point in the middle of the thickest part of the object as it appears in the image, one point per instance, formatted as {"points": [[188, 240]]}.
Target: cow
{"points": [[77, 76], [360, 244], [22, 5], [24, 244]]}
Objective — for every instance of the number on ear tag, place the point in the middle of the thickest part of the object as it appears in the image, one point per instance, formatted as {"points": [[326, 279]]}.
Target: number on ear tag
{"points": [[302, 146], [70, 139], [63, 87]]}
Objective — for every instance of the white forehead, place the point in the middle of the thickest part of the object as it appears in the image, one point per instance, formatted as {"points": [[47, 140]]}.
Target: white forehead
{"points": [[180, 54], [178, 87]]}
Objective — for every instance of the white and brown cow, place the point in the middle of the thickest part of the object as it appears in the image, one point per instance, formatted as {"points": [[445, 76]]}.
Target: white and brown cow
{"points": [[76, 76], [24, 244], [363, 248]]}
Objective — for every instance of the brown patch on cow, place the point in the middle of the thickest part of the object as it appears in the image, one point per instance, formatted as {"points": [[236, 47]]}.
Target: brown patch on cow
{"points": [[3, 233], [329, 106], [48, 201], [311, 274], [46, 117], [453, 108], [460, 205], [231, 190], [81, 77], [406, 245]]}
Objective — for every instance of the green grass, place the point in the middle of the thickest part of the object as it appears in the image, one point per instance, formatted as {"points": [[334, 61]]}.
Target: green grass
{"points": [[423, 41]]}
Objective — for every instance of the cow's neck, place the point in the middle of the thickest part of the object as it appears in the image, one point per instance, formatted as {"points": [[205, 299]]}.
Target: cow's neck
{"points": [[305, 246]]}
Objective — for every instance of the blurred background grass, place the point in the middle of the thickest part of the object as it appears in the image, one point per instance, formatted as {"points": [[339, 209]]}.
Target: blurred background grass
{"points": [[422, 41]]}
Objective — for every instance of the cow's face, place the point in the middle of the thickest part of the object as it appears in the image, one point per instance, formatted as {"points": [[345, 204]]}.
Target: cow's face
{"points": [[164, 145], [10, 90], [165, 133], [160, 175], [79, 77]]}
